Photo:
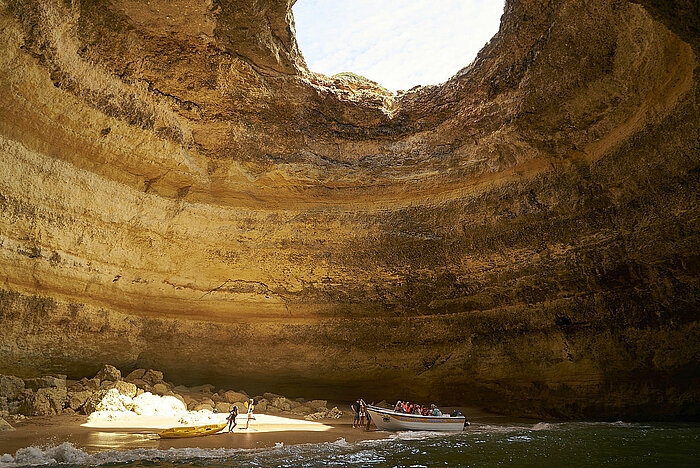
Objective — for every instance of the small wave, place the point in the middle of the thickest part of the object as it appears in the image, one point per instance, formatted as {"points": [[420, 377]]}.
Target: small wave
{"points": [[542, 426], [67, 454]]}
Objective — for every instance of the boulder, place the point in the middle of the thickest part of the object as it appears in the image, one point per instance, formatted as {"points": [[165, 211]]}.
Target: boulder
{"points": [[181, 389], [11, 387], [148, 404], [271, 396], [106, 384], [261, 407], [109, 373], [207, 401], [45, 381], [125, 388], [182, 398], [135, 375], [334, 413], [93, 400], [46, 401], [242, 408], [5, 426], [315, 416], [222, 407], [75, 385], [92, 384], [282, 404], [207, 388], [77, 399], [153, 377], [115, 401], [217, 398], [160, 389], [204, 407], [233, 397], [318, 405], [302, 410], [140, 383]]}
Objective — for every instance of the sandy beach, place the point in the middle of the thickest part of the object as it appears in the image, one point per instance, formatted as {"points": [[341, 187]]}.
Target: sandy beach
{"points": [[141, 432]]}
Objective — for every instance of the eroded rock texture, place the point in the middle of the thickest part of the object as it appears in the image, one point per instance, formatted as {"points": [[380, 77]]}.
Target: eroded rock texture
{"points": [[178, 191]]}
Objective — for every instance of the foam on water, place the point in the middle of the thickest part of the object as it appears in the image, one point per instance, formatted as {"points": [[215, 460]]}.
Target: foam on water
{"points": [[481, 445]]}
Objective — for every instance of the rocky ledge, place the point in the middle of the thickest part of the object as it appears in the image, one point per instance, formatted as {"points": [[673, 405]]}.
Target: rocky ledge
{"points": [[109, 392]]}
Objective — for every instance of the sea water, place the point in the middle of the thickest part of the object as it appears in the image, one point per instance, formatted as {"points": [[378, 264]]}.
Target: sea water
{"points": [[538, 445]]}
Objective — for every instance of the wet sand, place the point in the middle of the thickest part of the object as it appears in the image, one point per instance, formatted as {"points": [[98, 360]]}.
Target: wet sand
{"points": [[264, 432]]}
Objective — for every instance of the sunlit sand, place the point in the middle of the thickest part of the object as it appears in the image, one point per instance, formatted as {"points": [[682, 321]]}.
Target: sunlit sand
{"points": [[262, 423]]}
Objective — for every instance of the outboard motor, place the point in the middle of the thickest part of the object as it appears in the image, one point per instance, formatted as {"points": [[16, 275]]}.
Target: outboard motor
{"points": [[456, 413]]}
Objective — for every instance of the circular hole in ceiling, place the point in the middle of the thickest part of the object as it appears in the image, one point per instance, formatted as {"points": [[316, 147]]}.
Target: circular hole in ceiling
{"points": [[397, 43]]}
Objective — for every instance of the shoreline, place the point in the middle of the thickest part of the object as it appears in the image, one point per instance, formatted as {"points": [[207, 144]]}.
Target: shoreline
{"points": [[268, 431]]}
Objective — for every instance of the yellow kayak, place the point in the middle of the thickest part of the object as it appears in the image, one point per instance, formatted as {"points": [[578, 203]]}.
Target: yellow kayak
{"points": [[191, 431]]}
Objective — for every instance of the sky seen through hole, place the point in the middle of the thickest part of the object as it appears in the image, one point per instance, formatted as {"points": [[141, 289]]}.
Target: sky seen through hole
{"points": [[397, 43]]}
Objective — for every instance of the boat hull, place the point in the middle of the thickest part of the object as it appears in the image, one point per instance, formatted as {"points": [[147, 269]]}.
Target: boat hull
{"points": [[387, 420], [190, 431]]}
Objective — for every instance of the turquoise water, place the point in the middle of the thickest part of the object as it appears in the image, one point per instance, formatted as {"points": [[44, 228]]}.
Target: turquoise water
{"points": [[538, 445]]}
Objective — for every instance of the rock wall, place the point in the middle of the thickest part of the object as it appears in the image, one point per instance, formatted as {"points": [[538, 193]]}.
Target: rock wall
{"points": [[179, 192]]}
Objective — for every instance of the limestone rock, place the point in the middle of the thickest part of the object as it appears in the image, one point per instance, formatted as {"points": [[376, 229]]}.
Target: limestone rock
{"points": [[11, 387], [303, 410], [160, 389], [206, 388], [44, 382], [153, 377], [334, 413], [125, 388], [281, 403], [91, 404], [109, 372], [233, 397], [135, 375], [316, 416], [318, 405], [222, 407], [113, 400], [77, 399], [527, 227], [204, 407], [261, 407], [46, 401]]}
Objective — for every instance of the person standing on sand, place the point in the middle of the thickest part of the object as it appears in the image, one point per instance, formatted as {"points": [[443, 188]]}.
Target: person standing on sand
{"points": [[355, 407], [251, 409], [363, 412], [232, 418]]}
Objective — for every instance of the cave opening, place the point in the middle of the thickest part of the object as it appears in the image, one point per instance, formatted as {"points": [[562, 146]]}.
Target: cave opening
{"points": [[396, 43]]}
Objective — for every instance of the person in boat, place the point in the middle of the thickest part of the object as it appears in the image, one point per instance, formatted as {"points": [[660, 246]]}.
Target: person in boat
{"points": [[363, 412], [231, 418], [435, 411], [399, 407], [355, 407], [417, 409], [424, 411], [251, 410]]}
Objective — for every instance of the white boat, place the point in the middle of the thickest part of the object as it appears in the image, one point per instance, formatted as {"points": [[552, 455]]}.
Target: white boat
{"points": [[389, 420]]}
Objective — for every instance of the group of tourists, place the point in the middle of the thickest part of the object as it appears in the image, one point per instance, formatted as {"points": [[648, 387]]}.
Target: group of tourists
{"points": [[231, 418], [360, 415], [414, 408]]}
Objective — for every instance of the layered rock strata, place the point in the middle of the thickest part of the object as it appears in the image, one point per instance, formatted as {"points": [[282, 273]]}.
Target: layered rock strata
{"points": [[178, 191]]}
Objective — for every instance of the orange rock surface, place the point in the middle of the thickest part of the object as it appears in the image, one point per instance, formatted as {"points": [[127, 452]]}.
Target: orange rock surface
{"points": [[179, 191]]}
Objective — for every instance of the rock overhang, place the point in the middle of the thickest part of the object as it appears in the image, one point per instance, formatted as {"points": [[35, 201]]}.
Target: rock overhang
{"points": [[173, 174]]}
